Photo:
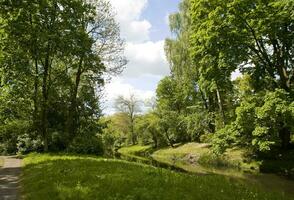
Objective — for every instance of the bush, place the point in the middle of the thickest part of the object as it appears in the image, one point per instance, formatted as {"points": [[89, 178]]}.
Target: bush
{"points": [[109, 141], [223, 138], [86, 145], [26, 144], [9, 133], [210, 159], [206, 138]]}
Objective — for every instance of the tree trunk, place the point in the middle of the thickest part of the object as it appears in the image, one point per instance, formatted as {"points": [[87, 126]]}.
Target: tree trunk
{"points": [[72, 117], [35, 98], [133, 135], [44, 123], [154, 138], [168, 139], [220, 105], [204, 100]]}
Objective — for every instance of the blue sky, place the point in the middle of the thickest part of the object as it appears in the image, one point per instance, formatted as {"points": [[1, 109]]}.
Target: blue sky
{"points": [[157, 12], [144, 27]]}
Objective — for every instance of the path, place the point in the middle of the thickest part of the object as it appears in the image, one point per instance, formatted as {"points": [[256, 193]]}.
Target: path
{"points": [[10, 178]]}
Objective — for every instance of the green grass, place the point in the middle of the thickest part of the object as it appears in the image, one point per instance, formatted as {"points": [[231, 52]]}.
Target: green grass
{"points": [[76, 177], [135, 151], [194, 154]]}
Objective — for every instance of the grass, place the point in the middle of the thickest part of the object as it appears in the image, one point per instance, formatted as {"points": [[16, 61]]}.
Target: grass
{"points": [[135, 151], [195, 154], [79, 177], [182, 151], [1, 162]]}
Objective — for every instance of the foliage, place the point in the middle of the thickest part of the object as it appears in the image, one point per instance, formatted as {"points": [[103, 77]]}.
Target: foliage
{"points": [[115, 132], [11, 133], [26, 144], [131, 107], [266, 122], [54, 57], [223, 139], [86, 144]]}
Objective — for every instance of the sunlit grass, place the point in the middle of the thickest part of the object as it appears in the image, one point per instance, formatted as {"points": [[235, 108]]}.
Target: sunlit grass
{"points": [[183, 150], [135, 151], [1, 162], [73, 177]]}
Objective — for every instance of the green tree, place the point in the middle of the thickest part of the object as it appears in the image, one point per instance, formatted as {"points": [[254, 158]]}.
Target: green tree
{"points": [[131, 107]]}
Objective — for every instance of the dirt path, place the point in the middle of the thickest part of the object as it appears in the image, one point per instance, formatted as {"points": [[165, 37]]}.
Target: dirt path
{"points": [[10, 178]]}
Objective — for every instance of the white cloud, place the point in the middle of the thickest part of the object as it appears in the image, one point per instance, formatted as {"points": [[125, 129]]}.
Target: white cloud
{"points": [[146, 58], [128, 9], [128, 12], [118, 87], [136, 31]]}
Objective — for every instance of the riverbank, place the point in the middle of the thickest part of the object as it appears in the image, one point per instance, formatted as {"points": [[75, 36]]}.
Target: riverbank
{"points": [[81, 177], [196, 158], [1, 161]]}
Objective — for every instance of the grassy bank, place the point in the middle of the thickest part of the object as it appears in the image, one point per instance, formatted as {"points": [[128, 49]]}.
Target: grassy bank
{"points": [[1, 162], [73, 177], [136, 151], [192, 156]]}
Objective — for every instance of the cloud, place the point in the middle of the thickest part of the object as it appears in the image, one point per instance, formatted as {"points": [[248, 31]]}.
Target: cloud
{"points": [[236, 74], [133, 29], [147, 61], [146, 58], [166, 18], [136, 31], [117, 87]]}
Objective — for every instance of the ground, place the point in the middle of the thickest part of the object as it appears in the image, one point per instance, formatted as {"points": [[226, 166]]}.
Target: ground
{"points": [[80, 177], [10, 178]]}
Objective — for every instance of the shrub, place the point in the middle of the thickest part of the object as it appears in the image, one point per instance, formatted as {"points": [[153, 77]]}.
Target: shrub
{"points": [[86, 144], [26, 144], [211, 159], [9, 133], [223, 138]]}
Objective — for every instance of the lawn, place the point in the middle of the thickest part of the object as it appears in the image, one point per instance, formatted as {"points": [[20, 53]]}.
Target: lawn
{"points": [[76, 177]]}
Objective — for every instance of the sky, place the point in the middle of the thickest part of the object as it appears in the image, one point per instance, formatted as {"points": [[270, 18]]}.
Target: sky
{"points": [[144, 26]]}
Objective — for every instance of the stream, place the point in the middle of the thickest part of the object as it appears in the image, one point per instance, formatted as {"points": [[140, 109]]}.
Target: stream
{"points": [[269, 182]]}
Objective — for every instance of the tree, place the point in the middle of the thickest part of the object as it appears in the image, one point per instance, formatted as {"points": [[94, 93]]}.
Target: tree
{"points": [[254, 37], [131, 106], [148, 129], [99, 49], [61, 52]]}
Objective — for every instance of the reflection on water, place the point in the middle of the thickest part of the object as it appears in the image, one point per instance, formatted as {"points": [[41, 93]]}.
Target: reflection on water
{"points": [[269, 182]]}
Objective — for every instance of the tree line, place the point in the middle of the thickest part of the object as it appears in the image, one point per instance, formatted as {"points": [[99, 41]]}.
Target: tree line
{"points": [[200, 101], [54, 58]]}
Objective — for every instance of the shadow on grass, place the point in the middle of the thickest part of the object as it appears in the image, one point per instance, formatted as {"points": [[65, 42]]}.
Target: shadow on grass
{"points": [[88, 178]]}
